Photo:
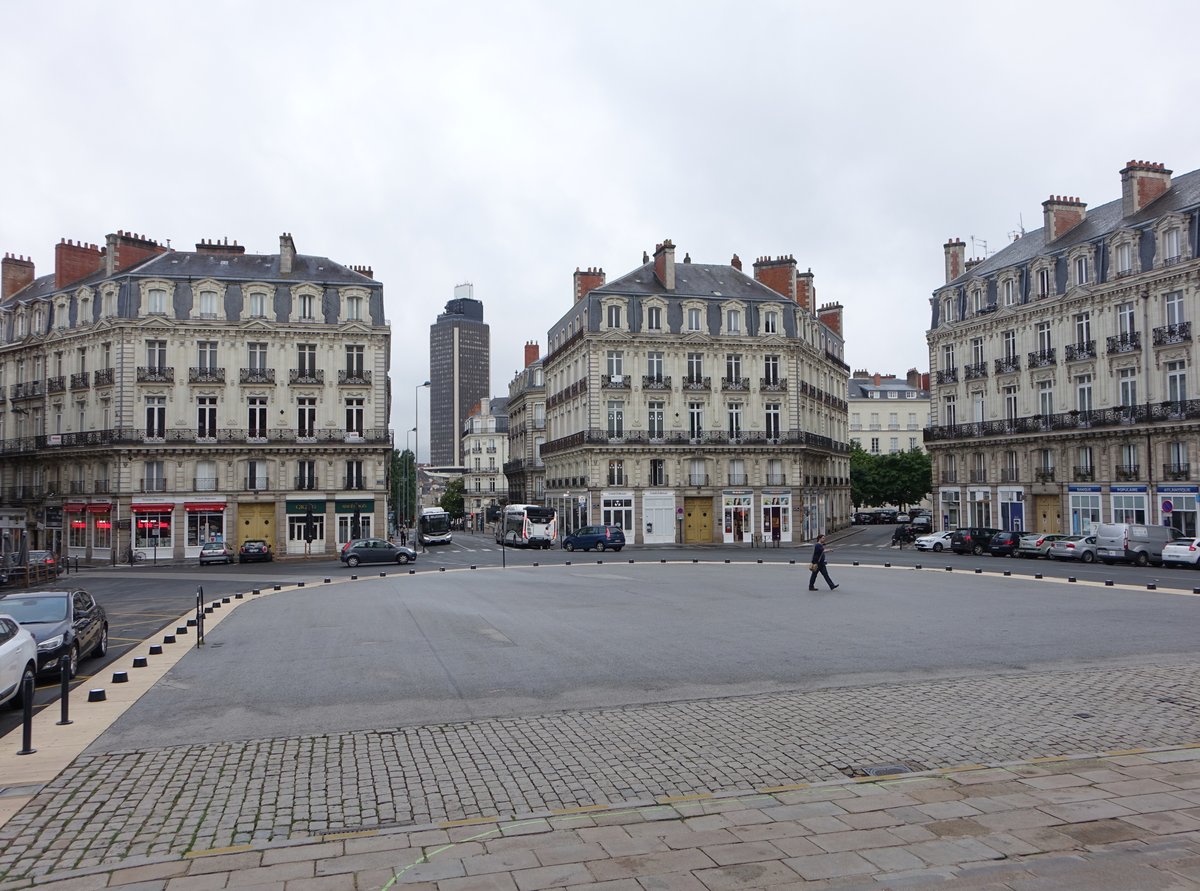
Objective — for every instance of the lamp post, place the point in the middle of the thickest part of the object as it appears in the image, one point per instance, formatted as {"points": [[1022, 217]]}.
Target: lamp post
{"points": [[409, 479], [417, 449]]}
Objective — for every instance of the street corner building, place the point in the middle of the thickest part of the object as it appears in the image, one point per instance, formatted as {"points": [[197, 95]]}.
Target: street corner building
{"points": [[163, 399], [1061, 366], [690, 402]]}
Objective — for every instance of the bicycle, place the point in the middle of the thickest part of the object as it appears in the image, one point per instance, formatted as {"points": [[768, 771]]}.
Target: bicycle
{"points": [[133, 556]]}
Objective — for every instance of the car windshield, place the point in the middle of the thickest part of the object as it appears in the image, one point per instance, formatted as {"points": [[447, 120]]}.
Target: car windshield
{"points": [[34, 610]]}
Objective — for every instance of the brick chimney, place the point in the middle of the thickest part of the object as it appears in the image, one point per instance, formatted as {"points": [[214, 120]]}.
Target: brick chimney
{"points": [[74, 261], [736, 262], [973, 262], [778, 274], [16, 273], [1141, 183], [124, 250], [830, 315], [287, 253], [586, 281], [531, 352], [664, 264], [212, 246], [956, 258], [364, 270], [806, 291], [913, 378], [1060, 215]]}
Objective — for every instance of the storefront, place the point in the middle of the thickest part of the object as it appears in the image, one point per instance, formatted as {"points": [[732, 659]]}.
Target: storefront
{"points": [[1129, 504], [1084, 504], [814, 515], [777, 515], [1177, 506], [951, 499], [154, 528], [306, 526], [658, 517], [99, 519], [354, 518], [1012, 509], [205, 523], [616, 509], [737, 515], [979, 507], [77, 528], [12, 531]]}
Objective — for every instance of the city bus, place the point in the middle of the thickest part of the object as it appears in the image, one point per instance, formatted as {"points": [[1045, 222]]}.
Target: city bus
{"points": [[527, 526], [433, 526]]}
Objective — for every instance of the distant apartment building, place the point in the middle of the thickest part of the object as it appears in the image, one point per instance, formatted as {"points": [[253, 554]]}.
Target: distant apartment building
{"points": [[525, 469], [1063, 366], [692, 402], [459, 373], [888, 414], [168, 398], [485, 451]]}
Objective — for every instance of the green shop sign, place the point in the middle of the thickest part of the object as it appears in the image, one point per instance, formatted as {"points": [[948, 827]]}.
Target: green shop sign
{"points": [[303, 507], [360, 506]]}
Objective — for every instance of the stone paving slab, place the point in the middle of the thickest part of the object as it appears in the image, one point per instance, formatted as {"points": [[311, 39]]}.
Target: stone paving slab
{"points": [[135, 808]]}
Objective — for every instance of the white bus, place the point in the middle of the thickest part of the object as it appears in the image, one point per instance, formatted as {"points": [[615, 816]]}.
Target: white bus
{"points": [[433, 526], [527, 526]]}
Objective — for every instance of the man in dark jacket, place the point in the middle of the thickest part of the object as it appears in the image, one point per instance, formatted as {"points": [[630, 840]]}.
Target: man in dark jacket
{"points": [[818, 565]]}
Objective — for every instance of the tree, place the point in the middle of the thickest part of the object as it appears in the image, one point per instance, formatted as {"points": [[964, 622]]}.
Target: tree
{"points": [[452, 500], [404, 486], [900, 478]]}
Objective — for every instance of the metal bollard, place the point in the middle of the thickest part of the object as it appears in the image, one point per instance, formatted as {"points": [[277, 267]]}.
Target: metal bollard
{"points": [[27, 716], [64, 691]]}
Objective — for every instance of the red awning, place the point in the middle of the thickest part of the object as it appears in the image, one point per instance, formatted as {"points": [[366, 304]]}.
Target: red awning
{"points": [[74, 507], [100, 508], [193, 506], [152, 508]]}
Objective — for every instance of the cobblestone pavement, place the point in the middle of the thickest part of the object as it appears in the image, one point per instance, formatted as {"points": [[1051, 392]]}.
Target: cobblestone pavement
{"points": [[142, 806]]}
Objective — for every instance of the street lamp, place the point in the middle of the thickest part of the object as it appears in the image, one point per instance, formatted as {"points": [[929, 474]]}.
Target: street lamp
{"points": [[409, 479], [417, 450]]}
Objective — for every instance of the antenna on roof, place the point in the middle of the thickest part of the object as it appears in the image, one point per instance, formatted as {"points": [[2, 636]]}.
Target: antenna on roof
{"points": [[982, 245], [1020, 230]]}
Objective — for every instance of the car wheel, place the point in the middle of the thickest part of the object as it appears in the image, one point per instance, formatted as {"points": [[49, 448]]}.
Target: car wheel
{"points": [[102, 643], [618, 549], [600, 546], [352, 561], [73, 662], [1142, 559], [937, 545], [18, 701], [977, 550], [570, 545], [402, 559]]}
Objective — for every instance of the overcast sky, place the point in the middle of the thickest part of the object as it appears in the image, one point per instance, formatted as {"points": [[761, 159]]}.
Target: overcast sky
{"points": [[505, 144]]}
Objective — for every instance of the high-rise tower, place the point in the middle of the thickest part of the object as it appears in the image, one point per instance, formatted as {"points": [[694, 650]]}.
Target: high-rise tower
{"points": [[459, 372]]}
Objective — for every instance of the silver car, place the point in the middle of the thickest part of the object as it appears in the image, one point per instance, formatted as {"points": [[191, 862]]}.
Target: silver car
{"points": [[1038, 544], [18, 660], [1075, 547]]}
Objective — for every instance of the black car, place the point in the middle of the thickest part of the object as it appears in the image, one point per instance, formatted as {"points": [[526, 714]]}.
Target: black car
{"points": [[62, 622], [254, 549], [972, 539], [375, 550], [1004, 544]]}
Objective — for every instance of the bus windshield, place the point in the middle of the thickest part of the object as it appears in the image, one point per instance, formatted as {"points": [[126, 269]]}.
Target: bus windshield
{"points": [[436, 524]]}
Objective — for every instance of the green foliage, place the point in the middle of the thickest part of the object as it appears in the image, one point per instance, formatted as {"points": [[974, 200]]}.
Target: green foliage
{"points": [[900, 478], [403, 486], [452, 501]]}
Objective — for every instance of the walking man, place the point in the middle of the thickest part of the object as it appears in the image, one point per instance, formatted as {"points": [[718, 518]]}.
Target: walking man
{"points": [[818, 565]]}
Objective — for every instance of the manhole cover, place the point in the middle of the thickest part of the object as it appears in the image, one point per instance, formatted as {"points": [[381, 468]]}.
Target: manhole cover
{"points": [[888, 769]]}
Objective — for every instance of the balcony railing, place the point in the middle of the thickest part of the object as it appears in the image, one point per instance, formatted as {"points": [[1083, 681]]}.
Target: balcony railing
{"points": [[697, 479], [353, 377], [598, 436], [155, 374], [697, 383], [154, 485], [100, 487], [26, 390], [301, 376], [1042, 358], [656, 382], [1084, 473], [737, 479], [1180, 332], [56, 384], [307, 483], [1009, 474], [80, 381], [776, 479], [947, 376], [615, 381], [204, 484], [354, 483], [773, 384], [1008, 364], [104, 377], [1125, 343], [1127, 472], [976, 371], [257, 483], [206, 375], [1119, 415], [978, 476], [77, 487], [1177, 471], [949, 477], [256, 375], [1075, 352], [1044, 475], [735, 383]]}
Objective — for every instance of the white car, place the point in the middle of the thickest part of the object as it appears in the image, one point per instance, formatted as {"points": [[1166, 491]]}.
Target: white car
{"points": [[1181, 552], [18, 660], [936, 542]]}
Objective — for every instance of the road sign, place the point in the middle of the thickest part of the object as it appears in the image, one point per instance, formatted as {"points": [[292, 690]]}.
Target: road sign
{"points": [[1167, 506]]}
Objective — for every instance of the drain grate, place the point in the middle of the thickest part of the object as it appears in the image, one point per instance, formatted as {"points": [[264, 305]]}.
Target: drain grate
{"points": [[887, 769]]}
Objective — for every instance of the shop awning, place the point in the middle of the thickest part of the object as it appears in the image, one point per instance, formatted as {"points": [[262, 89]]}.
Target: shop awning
{"points": [[152, 508], [74, 507], [100, 508], [195, 506]]}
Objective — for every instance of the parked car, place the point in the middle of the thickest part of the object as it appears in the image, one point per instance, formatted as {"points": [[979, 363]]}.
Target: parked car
{"points": [[62, 622], [602, 538], [375, 550], [216, 552], [864, 518], [903, 518], [972, 539], [18, 660], [46, 559], [938, 541], [1037, 544], [1004, 544], [922, 522], [255, 550], [1182, 552], [1132, 542], [1076, 547]]}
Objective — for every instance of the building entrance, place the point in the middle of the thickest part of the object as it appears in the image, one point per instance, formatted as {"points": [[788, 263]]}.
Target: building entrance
{"points": [[697, 520], [256, 521]]}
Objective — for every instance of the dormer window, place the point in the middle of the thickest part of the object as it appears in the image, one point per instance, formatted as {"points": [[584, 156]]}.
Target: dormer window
{"points": [[307, 307], [694, 319], [156, 301], [1082, 276], [947, 309], [733, 321], [979, 299], [614, 316], [1124, 258], [770, 322], [1171, 245], [208, 304], [1043, 282], [258, 305], [653, 318], [1009, 288], [354, 308]]}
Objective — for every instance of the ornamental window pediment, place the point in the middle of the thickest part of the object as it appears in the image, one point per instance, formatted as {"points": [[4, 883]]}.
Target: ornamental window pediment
{"points": [[1171, 244], [208, 299], [1122, 247], [156, 296], [613, 313], [1041, 275], [256, 300], [1081, 266], [356, 305], [307, 300]]}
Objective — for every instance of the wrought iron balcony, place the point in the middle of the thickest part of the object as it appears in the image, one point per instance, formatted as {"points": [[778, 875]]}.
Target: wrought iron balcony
{"points": [[615, 382], [1176, 471], [947, 376], [1085, 473], [256, 375], [1127, 472], [1180, 332], [80, 381], [100, 487], [26, 390], [973, 372], [1044, 475], [737, 479], [697, 479], [1125, 343], [155, 374], [76, 487], [735, 383], [353, 377], [354, 483], [656, 382], [154, 485], [206, 375], [1074, 352], [776, 479], [257, 483], [307, 483], [56, 384], [1008, 364], [1042, 358], [306, 376], [978, 476], [949, 476], [773, 384], [204, 484], [104, 377], [697, 383], [1009, 474]]}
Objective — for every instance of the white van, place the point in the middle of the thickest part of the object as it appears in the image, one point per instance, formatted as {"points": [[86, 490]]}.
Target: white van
{"points": [[1132, 543]]}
